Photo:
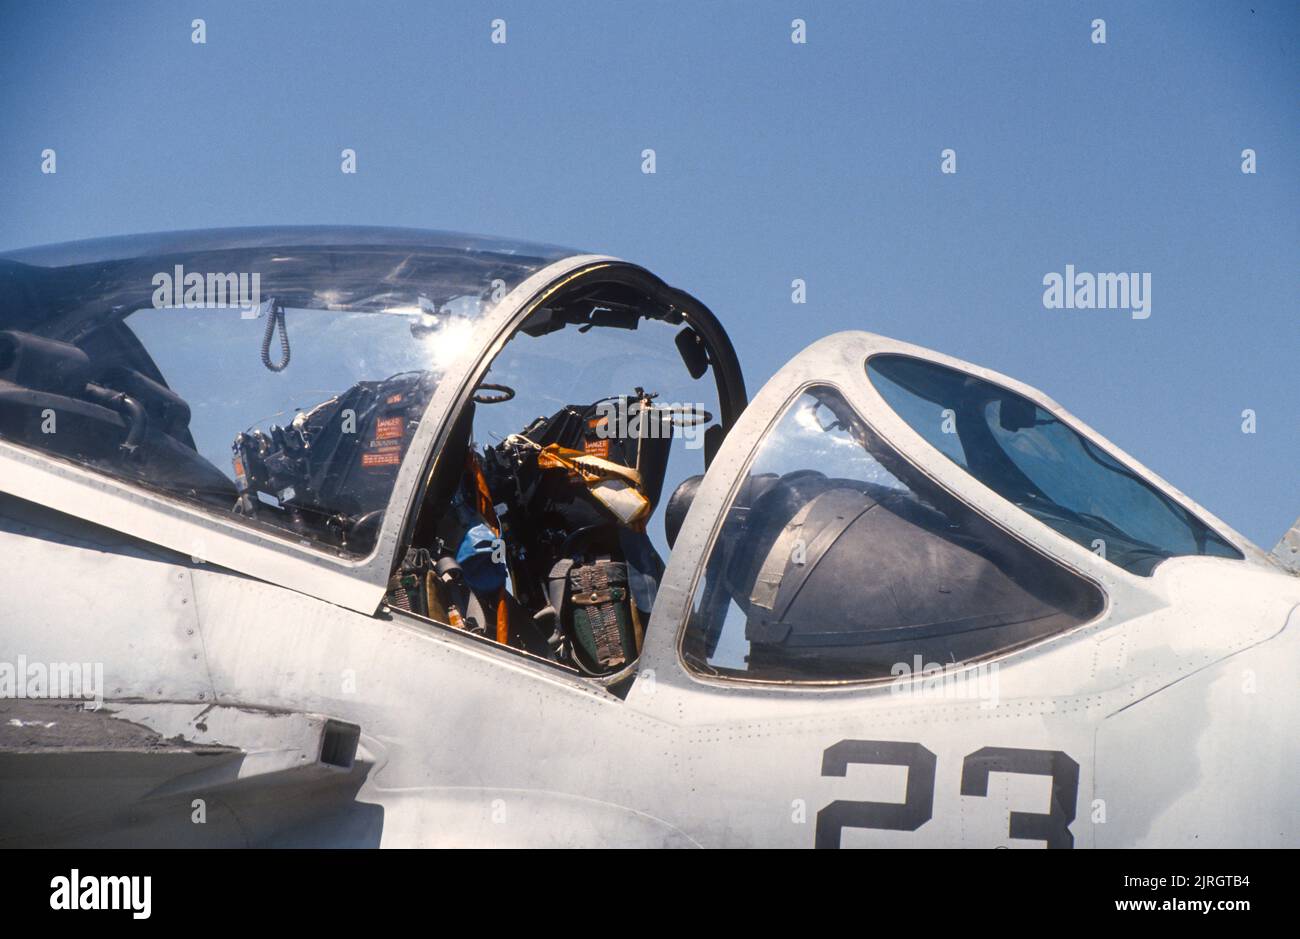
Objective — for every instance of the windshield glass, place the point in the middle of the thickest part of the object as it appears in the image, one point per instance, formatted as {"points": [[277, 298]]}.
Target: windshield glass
{"points": [[837, 561], [1031, 458], [276, 375]]}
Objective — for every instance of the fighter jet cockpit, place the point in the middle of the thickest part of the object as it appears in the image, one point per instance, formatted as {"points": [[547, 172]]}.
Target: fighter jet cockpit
{"points": [[546, 527], [281, 378]]}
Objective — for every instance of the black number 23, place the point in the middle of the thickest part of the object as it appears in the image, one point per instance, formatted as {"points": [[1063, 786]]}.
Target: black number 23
{"points": [[917, 806]]}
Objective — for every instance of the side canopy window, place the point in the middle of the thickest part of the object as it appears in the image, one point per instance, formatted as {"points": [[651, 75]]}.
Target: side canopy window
{"points": [[838, 561], [1030, 458], [275, 377]]}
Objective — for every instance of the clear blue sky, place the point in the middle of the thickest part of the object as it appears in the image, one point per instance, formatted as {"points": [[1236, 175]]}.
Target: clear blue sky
{"points": [[775, 161]]}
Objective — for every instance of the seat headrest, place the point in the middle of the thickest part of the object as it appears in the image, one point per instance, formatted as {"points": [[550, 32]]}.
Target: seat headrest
{"points": [[679, 503]]}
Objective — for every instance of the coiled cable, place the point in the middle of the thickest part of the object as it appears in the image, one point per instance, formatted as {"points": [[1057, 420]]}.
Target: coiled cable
{"points": [[274, 318]]}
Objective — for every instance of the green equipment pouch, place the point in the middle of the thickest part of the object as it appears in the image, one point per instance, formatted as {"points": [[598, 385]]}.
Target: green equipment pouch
{"points": [[600, 606]]}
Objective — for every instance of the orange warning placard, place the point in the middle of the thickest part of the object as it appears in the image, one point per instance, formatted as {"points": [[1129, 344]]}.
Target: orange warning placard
{"points": [[389, 456], [390, 428]]}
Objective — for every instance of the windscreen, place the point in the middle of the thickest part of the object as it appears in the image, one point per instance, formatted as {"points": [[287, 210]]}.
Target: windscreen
{"points": [[1034, 460], [838, 561]]}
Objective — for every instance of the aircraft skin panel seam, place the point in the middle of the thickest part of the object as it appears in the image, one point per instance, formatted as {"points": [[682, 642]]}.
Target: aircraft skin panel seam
{"points": [[1294, 614], [198, 631]]}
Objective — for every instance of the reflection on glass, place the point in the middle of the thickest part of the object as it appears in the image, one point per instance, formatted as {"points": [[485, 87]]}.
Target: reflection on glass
{"points": [[275, 376], [838, 561], [1030, 458]]}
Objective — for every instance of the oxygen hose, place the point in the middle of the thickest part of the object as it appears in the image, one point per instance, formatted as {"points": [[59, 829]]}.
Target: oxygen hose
{"points": [[137, 419], [273, 319]]}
